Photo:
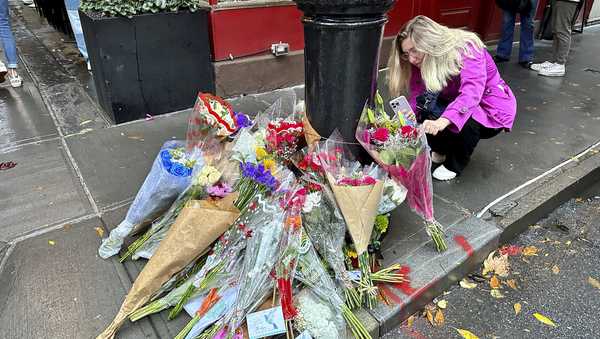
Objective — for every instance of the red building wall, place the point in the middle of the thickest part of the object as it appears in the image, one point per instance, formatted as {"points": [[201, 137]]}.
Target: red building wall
{"points": [[244, 31]]}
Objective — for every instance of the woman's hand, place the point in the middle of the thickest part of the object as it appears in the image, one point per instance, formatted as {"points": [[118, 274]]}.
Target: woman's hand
{"points": [[433, 127]]}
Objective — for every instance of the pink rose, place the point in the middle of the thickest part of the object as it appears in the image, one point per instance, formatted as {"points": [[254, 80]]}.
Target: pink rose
{"points": [[366, 136], [369, 181]]}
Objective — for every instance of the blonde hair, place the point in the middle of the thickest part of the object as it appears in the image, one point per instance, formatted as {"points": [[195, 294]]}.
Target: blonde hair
{"points": [[443, 48]]}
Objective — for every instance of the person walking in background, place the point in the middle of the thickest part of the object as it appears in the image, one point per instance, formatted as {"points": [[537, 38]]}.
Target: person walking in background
{"points": [[10, 48], [526, 10], [72, 7], [562, 16]]}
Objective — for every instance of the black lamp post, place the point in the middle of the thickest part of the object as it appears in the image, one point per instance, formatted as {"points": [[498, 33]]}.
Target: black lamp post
{"points": [[342, 39]]}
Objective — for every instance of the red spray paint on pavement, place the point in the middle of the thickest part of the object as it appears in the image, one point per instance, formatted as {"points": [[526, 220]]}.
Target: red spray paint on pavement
{"points": [[464, 243]]}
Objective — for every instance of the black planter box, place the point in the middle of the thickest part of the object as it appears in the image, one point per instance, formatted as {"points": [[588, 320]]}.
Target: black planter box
{"points": [[149, 64]]}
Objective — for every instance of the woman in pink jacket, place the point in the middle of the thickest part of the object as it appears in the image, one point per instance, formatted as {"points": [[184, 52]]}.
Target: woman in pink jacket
{"points": [[454, 88]]}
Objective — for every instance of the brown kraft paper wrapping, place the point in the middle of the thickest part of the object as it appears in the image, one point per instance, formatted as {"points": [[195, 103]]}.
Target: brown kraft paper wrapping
{"points": [[310, 134], [198, 225], [359, 208]]}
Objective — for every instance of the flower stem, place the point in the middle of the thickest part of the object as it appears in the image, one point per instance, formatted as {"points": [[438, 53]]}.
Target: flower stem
{"points": [[437, 235], [184, 332], [184, 299], [154, 307]]}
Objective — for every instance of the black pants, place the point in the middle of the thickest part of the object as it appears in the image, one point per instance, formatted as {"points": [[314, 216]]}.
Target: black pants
{"points": [[458, 147]]}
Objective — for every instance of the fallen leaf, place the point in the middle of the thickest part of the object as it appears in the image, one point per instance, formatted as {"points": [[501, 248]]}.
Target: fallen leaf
{"points": [[429, 317], [496, 264], [517, 308], [555, 269], [442, 304], [544, 319], [568, 243], [594, 282], [99, 231], [511, 250], [439, 318], [579, 200], [410, 321], [511, 283], [497, 294], [466, 334], [529, 251], [467, 284], [51, 242], [495, 282]]}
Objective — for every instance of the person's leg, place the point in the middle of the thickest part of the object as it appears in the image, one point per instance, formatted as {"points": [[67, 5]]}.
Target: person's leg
{"points": [[526, 40], [562, 30], [8, 40], [563, 13], [506, 39], [9, 45], [439, 143], [73, 13]]}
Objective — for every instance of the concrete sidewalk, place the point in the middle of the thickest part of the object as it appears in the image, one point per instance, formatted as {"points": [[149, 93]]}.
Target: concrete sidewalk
{"points": [[74, 174]]}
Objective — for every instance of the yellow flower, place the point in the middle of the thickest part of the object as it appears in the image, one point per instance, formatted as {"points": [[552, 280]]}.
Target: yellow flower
{"points": [[208, 176], [261, 153], [351, 254], [269, 164]]}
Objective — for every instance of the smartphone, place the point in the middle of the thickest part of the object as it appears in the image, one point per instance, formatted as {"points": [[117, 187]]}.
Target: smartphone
{"points": [[402, 108]]}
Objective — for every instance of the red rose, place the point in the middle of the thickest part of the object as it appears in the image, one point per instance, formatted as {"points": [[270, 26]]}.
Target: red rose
{"points": [[381, 134], [407, 131]]}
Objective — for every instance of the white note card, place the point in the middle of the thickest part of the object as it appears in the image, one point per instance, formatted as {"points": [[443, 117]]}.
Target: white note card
{"points": [[265, 323]]}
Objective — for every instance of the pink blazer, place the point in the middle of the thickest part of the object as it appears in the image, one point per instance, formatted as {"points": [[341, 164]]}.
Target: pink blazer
{"points": [[478, 92]]}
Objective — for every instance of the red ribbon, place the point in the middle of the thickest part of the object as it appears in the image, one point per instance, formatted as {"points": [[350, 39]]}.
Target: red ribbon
{"points": [[287, 304]]}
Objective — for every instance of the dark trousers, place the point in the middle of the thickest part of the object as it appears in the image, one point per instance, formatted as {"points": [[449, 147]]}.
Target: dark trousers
{"points": [[458, 147]]}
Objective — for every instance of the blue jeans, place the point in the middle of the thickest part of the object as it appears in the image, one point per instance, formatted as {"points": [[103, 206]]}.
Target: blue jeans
{"points": [[8, 40], [508, 30], [72, 10]]}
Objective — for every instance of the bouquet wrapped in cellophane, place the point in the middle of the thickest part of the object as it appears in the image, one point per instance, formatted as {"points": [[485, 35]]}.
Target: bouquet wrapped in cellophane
{"points": [[399, 145], [358, 190], [323, 221], [263, 250], [210, 122], [170, 174], [313, 274]]}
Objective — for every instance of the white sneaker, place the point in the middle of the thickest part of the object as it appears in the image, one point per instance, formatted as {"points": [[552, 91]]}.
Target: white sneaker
{"points": [[443, 174], [3, 71], [538, 67], [437, 158], [556, 70], [15, 80]]}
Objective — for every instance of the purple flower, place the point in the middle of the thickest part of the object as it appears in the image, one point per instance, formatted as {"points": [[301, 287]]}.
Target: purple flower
{"points": [[219, 190], [242, 120]]}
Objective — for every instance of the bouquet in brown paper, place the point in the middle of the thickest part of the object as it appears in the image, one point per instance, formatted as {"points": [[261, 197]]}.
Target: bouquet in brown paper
{"points": [[357, 190], [197, 226]]}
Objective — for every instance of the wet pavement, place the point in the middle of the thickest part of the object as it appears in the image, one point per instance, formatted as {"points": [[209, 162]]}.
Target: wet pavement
{"points": [[75, 173], [555, 283]]}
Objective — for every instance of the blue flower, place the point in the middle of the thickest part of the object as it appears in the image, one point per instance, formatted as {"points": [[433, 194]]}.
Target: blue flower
{"points": [[242, 120], [179, 170], [165, 155]]}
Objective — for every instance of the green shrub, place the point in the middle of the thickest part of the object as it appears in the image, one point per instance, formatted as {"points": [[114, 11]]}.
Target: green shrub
{"points": [[130, 8]]}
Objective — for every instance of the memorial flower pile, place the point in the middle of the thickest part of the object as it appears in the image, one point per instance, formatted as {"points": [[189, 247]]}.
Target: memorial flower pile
{"points": [[399, 145], [246, 231]]}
